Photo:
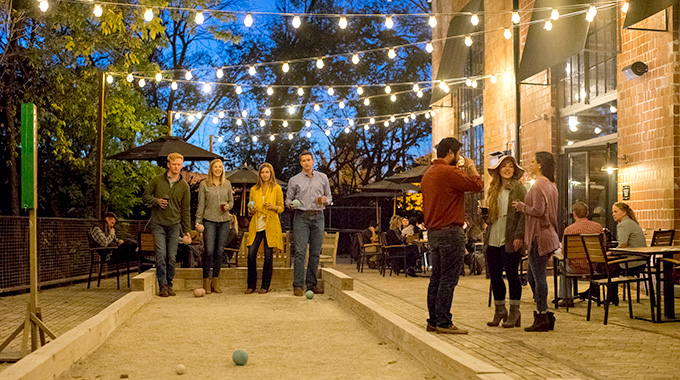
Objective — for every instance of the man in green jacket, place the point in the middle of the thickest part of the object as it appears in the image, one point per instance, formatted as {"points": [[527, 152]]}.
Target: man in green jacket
{"points": [[168, 196]]}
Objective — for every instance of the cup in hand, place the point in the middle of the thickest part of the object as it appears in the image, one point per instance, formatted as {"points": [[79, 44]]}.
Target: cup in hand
{"points": [[319, 200], [224, 206]]}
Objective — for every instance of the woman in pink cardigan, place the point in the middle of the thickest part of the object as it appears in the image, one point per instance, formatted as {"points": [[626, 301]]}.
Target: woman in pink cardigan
{"points": [[540, 233]]}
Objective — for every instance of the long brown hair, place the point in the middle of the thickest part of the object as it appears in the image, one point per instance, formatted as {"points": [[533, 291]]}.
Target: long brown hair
{"points": [[210, 180], [494, 191], [272, 178], [629, 211]]}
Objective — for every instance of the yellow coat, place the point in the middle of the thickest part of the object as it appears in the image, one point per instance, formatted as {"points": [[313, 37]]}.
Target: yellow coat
{"points": [[272, 222]]}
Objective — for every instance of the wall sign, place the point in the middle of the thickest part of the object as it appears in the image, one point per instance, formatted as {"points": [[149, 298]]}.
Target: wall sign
{"points": [[626, 192]]}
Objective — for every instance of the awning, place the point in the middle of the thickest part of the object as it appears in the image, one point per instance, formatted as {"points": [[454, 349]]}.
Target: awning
{"points": [[455, 54], [639, 10], [544, 49]]}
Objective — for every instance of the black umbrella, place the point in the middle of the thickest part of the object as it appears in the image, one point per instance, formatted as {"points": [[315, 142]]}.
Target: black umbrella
{"points": [[159, 149], [391, 186], [409, 176]]}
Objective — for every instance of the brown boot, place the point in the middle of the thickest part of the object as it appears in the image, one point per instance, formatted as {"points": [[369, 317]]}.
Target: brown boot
{"points": [[215, 285], [541, 323], [206, 285]]}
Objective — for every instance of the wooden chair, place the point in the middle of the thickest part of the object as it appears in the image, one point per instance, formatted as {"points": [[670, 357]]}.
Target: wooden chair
{"points": [[104, 255], [146, 250], [329, 249], [662, 238], [575, 265], [391, 253], [596, 252], [364, 256]]}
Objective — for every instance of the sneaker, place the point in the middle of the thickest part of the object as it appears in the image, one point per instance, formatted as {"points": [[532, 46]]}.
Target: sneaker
{"points": [[298, 292], [316, 290], [163, 292], [170, 291], [450, 330], [250, 290]]}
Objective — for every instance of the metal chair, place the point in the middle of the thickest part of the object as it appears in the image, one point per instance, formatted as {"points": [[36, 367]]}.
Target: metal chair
{"points": [[662, 238], [104, 255], [364, 256], [391, 253]]}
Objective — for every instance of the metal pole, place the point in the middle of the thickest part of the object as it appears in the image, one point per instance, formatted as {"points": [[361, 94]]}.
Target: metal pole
{"points": [[100, 147], [518, 103]]}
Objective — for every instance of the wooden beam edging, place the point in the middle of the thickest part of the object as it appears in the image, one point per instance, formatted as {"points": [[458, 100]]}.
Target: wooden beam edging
{"points": [[56, 357], [435, 353]]}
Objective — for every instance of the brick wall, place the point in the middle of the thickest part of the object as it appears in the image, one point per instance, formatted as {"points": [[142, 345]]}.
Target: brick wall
{"points": [[648, 125]]}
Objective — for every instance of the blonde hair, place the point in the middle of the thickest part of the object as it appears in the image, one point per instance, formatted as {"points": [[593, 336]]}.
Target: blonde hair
{"points": [[494, 191], [174, 156], [272, 178], [210, 181], [395, 222]]}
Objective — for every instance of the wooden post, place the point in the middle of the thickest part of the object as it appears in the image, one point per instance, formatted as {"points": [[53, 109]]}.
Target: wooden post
{"points": [[211, 143], [100, 147], [170, 123]]}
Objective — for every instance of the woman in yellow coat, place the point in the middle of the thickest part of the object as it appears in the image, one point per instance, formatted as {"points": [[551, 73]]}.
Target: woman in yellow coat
{"points": [[266, 203]]}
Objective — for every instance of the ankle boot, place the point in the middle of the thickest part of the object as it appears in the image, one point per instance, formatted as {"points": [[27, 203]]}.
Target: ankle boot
{"points": [[501, 313], [206, 285], [515, 317], [215, 285], [551, 320], [540, 323]]}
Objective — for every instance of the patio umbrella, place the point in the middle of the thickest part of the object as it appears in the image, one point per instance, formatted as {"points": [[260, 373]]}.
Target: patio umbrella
{"points": [[159, 149], [385, 189], [409, 176]]}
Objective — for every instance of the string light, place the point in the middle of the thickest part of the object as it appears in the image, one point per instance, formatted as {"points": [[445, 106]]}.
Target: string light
{"points": [[329, 123], [592, 11], [142, 82], [319, 63], [328, 132], [317, 107], [285, 67], [474, 84], [239, 122], [393, 119], [371, 120], [406, 120], [238, 90], [444, 87], [515, 18], [270, 91], [109, 78], [331, 91], [268, 112], [296, 22], [159, 77], [191, 118], [237, 139], [416, 88], [554, 14], [221, 115], [173, 85], [413, 116], [341, 104], [367, 101], [355, 59], [308, 123], [206, 88], [309, 134], [346, 129], [220, 73], [350, 122], [300, 91], [199, 18], [248, 21], [177, 115], [419, 94], [391, 53], [290, 136], [468, 82], [252, 71], [291, 110], [468, 41], [244, 113], [429, 47], [507, 34], [188, 75], [366, 127], [215, 121], [342, 23], [98, 11], [254, 138], [474, 20], [148, 15], [285, 123], [624, 7], [388, 89], [389, 23], [220, 139], [427, 115], [360, 91], [493, 79], [432, 22], [43, 5], [393, 98], [262, 123], [386, 123]]}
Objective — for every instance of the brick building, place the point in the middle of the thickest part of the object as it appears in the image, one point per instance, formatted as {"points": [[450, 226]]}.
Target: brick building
{"points": [[615, 133]]}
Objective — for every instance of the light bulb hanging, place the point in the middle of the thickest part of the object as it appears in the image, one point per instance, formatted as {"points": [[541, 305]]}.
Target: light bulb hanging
{"points": [[177, 115], [386, 123], [413, 116], [328, 132], [148, 15], [251, 71], [371, 120], [474, 84], [389, 23], [355, 59], [331, 91], [262, 123], [317, 107], [239, 122], [419, 94], [285, 67], [391, 53], [367, 101], [319, 63], [215, 120], [300, 91], [308, 123], [254, 138], [347, 129], [624, 7], [432, 22], [285, 123], [592, 11], [388, 89], [429, 48], [199, 115], [416, 88], [244, 113], [248, 21], [360, 91], [393, 98], [237, 139], [173, 85], [267, 112], [130, 78], [309, 134], [341, 104], [351, 122], [109, 79], [159, 77], [98, 11], [329, 123], [342, 23], [554, 14], [270, 91], [219, 73], [366, 127], [290, 136], [493, 79], [238, 90], [220, 139], [43, 5], [474, 20], [199, 18], [221, 115], [468, 41], [507, 34], [191, 118], [548, 25], [188, 75], [142, 82], [291, 110], [296, 22], [393, 119], [515, 17], [206, 88]]}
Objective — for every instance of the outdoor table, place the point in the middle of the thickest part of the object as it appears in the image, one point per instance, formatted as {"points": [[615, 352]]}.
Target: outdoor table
{"points": [[668, 297]]}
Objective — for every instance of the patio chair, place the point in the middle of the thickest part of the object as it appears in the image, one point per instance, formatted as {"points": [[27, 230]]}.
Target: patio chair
{"points": [[147, 251], [575, 265], [662, 238], [596, 252], [231, 251], [104, 255], [391, 253], [365, 256]]}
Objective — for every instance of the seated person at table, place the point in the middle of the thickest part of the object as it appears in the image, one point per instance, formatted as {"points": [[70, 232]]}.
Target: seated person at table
{"points": [[104, 234], [394, 237], [406, 228], [190, 255], [370, 236], [581, 225]]}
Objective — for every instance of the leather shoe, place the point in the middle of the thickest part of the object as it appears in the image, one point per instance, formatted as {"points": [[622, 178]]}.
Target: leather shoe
{"points": [[430, 327], [249, 290], [171, 292], [298, 292], [316, 290], [450, 330], [163, 292], [263, 291]]}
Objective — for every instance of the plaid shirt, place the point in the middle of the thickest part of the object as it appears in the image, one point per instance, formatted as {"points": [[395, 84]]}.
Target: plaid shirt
{"points": [[101, 238]]}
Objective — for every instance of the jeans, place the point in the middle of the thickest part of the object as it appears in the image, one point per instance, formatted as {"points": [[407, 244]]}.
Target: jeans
{"points": [[165, 240], [267, 268], [447, 248], [214, 238], [537, 278], [566, 283], [308, 229], [500, 261]]}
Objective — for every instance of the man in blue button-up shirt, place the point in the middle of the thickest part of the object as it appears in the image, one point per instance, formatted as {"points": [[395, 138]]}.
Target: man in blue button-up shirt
{"points": [[308, 194]]}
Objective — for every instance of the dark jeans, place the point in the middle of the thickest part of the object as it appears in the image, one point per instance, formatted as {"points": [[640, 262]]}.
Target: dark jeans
{"points": [[447, 248], [267, 269], [537, 276], [214, 239], [500, 261], [308, 229], [127, 251], [165, 239]]}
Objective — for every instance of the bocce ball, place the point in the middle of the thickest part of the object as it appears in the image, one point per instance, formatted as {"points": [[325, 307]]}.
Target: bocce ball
{"points": [[181, 369], [199, 292], [251, 204], [240, 357], [297, 203], [309, 294]]}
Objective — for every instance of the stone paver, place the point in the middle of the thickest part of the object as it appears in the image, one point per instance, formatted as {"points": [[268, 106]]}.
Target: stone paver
{"points": [[623, 349], [62, 307]]}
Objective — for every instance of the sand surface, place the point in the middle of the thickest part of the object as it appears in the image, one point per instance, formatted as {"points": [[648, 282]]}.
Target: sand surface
{"points": [[286, 337]]}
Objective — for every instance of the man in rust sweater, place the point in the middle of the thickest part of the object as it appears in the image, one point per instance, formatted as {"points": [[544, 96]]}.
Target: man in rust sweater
{"points": [[443, 187]]}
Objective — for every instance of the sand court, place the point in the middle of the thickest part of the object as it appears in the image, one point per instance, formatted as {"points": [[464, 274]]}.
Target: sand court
{"points": [[286, 337]]}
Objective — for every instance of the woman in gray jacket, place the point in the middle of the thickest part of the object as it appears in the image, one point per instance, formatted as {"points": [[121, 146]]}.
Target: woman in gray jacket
{"points": [[504, 238]]}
